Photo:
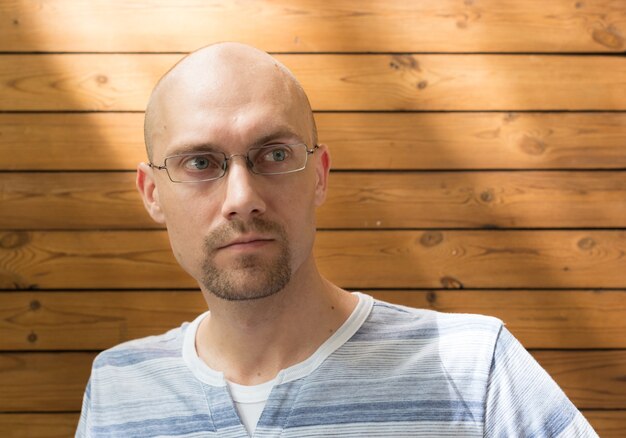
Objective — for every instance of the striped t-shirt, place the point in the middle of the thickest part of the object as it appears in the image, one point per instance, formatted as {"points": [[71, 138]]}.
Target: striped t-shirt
{"points": [[389, 371]]}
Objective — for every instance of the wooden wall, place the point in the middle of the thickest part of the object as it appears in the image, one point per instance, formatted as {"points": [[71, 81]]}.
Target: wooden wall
{"points": [[479, 152]]}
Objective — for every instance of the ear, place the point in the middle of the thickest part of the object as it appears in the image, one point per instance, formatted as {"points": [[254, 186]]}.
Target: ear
{"points": [[322, 169], [149, 192]]}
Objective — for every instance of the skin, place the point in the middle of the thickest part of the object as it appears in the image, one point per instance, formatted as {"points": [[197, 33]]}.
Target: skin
{"points": [[243, 228]]}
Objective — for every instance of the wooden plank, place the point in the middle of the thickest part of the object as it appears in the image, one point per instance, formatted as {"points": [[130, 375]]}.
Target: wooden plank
{"points": [[45, 425], [474, 200], [355, 200], [574, 371], [352, 259], [538, 318], [43, 382], [85, 320], [308, 25], [49, 382], [114, 141], [607, 423], [335, 82]]}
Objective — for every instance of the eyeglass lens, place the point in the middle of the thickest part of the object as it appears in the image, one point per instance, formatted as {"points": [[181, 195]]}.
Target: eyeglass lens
{"points": [[266, 160]]}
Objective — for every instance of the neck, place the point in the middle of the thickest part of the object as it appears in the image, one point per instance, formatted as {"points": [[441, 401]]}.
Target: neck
{"points": [[251, 341]]}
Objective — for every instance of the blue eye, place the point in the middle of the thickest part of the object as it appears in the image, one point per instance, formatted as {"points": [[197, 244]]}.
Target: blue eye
{"points": [[201, 162], [277, 155]]}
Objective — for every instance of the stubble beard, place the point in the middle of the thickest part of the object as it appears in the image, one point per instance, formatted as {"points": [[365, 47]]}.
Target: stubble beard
{"points": [[251, 276]]}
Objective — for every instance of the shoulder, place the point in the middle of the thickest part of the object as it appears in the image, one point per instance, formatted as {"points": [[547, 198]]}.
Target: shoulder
{"points": [[461, 342], [388, 319]]}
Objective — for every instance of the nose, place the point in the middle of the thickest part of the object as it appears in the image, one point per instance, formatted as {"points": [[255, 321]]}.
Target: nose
{"points": [[241, 198]]}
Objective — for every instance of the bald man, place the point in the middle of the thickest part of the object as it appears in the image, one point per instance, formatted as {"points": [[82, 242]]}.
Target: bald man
{"points": [[235, 173]]}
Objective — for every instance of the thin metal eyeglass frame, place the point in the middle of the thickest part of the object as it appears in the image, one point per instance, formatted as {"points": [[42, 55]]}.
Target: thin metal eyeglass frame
{"points": [[229, 157]]}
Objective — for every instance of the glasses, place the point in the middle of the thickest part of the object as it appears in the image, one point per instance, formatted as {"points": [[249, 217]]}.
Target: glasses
{"points": [[275, 159]]}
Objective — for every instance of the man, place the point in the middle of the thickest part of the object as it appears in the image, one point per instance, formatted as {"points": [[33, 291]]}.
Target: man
{"points": [[235, 174]]}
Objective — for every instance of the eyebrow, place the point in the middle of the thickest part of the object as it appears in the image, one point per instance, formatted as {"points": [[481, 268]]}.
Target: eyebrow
{"points": [[282, 132]]}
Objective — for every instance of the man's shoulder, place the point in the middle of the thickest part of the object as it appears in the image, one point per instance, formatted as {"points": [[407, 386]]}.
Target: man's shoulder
{"points": [[149, 348], [405, 318]]}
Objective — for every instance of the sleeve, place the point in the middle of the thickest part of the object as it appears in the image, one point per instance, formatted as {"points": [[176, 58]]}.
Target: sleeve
{"points": [[522, 400], [82, 431]]}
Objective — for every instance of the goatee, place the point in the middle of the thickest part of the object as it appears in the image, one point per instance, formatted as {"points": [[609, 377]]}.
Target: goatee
{"points": [[250, 276]]}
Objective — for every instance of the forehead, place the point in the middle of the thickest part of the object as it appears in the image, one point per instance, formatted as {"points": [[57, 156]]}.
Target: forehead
{"points": [[229, 111]]}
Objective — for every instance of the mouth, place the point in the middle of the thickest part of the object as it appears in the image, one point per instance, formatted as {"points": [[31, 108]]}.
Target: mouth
{"points": [[247, 242]]}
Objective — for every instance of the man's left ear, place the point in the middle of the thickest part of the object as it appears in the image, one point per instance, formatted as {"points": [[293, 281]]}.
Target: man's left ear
{"points": [[322, 170]]}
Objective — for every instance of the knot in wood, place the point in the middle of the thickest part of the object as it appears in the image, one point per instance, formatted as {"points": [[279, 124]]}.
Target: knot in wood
{"points": [[14, 239], [608, 38], [431, 238], [451, 283], [102, 79], [35, 305], [532, 145], [32, 337], [586, 243], [404, 62], [422, 84], [431, 297], [487, 196]]}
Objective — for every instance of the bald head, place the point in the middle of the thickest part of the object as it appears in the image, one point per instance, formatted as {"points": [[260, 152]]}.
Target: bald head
{"points": [[224, 77]]}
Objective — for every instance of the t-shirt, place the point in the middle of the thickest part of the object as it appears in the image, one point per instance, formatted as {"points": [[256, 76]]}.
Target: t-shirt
{"points": [[389, 371]]}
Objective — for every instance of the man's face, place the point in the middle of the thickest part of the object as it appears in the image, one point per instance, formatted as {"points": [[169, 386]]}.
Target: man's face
{"points": [[243, 236]]}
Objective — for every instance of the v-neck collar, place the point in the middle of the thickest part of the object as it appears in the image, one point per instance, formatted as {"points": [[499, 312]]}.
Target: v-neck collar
{"points": [[287, 382]]}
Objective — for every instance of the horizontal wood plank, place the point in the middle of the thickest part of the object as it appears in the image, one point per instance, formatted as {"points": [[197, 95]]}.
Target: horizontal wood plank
{"points": [[50, 382], [352, 259], [382, 141], [85, 320], [334, 82], [310, 25], [607, 423], [44, 425], [574, 371], [43, 382], [355, 200]]}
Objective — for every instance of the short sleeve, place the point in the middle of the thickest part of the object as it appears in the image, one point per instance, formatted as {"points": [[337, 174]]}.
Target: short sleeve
{"points": [[82, 429], [522, 399]]}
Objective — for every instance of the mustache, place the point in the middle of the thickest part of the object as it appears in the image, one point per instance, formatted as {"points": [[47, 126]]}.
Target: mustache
{"points": [[226, 233]]}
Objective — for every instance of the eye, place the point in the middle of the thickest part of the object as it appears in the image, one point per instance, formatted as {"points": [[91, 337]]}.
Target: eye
{"points": [[201, 162], [276, 154]]}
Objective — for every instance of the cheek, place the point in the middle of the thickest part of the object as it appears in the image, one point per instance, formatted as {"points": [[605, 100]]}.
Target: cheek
{"points": [[187, 222]]}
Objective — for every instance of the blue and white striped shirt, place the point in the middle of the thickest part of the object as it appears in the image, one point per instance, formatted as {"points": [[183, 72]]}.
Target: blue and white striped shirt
{"points": [[389, 371]]}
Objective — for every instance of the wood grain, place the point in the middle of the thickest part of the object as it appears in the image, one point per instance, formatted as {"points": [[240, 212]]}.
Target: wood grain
{"points": [[574, 371], [89, 82], [86, 320], [352, 259], [49, 382], [308, 25], [382, 141], [607, 423], [355, 200], [43, 382], [44, 425]]}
